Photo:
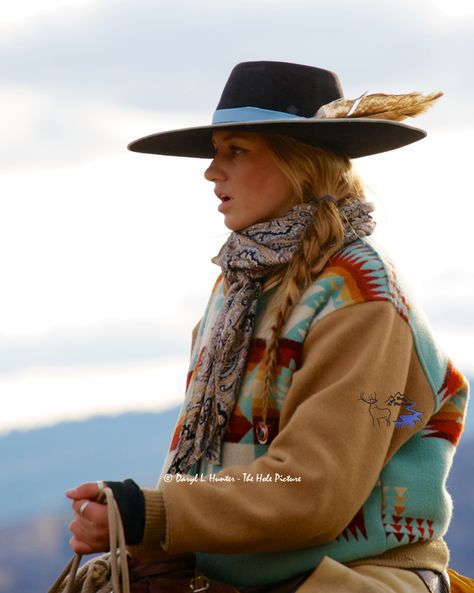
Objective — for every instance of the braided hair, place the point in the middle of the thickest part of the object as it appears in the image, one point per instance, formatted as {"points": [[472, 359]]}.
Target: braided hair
{"points": [[313, 173]]}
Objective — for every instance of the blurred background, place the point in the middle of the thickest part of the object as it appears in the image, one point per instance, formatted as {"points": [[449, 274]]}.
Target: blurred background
{"points": [[105, 254]]}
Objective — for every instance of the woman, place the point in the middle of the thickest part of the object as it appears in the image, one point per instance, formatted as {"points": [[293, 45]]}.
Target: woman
{"points": [[320, 417]]}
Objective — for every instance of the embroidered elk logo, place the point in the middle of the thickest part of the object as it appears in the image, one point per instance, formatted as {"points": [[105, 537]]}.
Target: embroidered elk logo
{"points": [[376, 412]]}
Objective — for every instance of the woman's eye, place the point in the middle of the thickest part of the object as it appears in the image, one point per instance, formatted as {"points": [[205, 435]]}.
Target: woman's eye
{"points": [[235, 150]]}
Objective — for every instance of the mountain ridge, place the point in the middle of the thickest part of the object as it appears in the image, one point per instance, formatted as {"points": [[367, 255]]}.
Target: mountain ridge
{"points": [[36, 467]]}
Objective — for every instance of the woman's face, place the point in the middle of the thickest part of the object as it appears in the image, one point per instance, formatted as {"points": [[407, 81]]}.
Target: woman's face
{"points": [[249, 185]]}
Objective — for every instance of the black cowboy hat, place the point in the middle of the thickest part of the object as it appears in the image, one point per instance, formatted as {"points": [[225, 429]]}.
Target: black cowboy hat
{"points": [[289, 99]]}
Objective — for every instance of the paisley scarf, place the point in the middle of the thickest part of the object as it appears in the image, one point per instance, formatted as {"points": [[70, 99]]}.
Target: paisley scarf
{"points": [[247, 258]]}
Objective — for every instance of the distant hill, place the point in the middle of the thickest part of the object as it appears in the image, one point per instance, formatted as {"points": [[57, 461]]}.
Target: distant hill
{"points": [[37, 466], [33, 553], [460, 536]]}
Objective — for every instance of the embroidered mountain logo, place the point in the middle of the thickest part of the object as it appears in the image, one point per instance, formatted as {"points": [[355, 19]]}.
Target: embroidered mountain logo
{"points": [[382, 413], [410, 416]]}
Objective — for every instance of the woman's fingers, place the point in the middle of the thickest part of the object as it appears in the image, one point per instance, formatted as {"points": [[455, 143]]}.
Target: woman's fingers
{"points": [[89, 533], [90, 526], [90, 490], [91, 511], [80, 547], [88, 536]]}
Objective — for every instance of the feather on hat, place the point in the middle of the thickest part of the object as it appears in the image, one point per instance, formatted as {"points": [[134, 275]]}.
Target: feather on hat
{"points": [[380, 105]]}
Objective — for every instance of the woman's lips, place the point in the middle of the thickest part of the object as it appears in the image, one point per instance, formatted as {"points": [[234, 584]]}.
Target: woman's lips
{"points": [[223, 206]]}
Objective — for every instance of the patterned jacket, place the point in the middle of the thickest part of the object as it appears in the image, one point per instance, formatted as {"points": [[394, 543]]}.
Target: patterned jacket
{"points": [[365, 418]]}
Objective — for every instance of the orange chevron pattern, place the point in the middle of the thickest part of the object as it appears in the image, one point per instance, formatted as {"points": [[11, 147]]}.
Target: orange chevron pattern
{"points": [[453, 381], [365, 278], [447, 423]]}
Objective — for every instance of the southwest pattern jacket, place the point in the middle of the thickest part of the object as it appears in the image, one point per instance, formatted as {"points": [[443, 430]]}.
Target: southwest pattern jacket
{"points": [[365, 418]]}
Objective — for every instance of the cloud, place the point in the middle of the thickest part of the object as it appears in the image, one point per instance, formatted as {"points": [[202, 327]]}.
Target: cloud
{"points": [[73, 76], [448, 299], [43, 396], [454, 313], [170, 55], [102, 345], [43, 127], [91, 233]]}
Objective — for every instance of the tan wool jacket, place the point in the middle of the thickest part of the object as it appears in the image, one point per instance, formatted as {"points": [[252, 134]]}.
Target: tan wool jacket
{"points": [[368, 412]]}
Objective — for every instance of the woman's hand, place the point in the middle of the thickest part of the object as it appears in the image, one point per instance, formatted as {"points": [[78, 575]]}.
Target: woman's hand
{"points": [[90, 525]]}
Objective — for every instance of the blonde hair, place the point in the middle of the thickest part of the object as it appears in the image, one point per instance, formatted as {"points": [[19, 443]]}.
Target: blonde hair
{"points": [[312, 173]]}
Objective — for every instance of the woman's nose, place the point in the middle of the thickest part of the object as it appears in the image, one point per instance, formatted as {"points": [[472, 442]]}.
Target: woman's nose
{"points": [[214, 172]]}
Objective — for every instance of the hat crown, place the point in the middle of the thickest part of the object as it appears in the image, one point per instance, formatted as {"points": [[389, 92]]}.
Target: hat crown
{"points": [[296, 89]]}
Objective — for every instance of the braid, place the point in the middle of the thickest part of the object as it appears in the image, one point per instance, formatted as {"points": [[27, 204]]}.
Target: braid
{"points": [[300, 273], [312, 172], [290, 292]]}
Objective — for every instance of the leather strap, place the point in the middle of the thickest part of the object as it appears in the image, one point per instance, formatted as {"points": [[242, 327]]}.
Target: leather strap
{"points": [[182, 565], [436, 582]]}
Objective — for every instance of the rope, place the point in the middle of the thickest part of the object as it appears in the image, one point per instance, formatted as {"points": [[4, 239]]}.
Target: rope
{"points": [[118, 555]]}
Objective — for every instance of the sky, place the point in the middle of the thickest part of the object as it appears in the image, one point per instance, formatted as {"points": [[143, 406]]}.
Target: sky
{"points": [[105, 254]]}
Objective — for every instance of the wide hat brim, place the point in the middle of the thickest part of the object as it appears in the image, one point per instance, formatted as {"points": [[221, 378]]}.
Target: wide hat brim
{"points": [[351, 137]]}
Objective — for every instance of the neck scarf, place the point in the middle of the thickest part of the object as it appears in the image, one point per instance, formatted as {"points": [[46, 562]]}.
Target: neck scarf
{"points": [[246, 259]]}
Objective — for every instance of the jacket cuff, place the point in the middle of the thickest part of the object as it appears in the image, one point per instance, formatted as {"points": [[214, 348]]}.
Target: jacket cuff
{"points": [[154, 532], [131, 504]]}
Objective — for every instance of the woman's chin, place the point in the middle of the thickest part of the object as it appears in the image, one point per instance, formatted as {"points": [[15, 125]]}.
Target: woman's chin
{"points": [[234, 225]]}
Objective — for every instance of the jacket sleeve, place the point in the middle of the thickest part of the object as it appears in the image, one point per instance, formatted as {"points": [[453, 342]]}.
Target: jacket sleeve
{"points": [[327, 456]]}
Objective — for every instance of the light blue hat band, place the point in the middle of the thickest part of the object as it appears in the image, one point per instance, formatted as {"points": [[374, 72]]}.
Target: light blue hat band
{"points": [[248, 114]]}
